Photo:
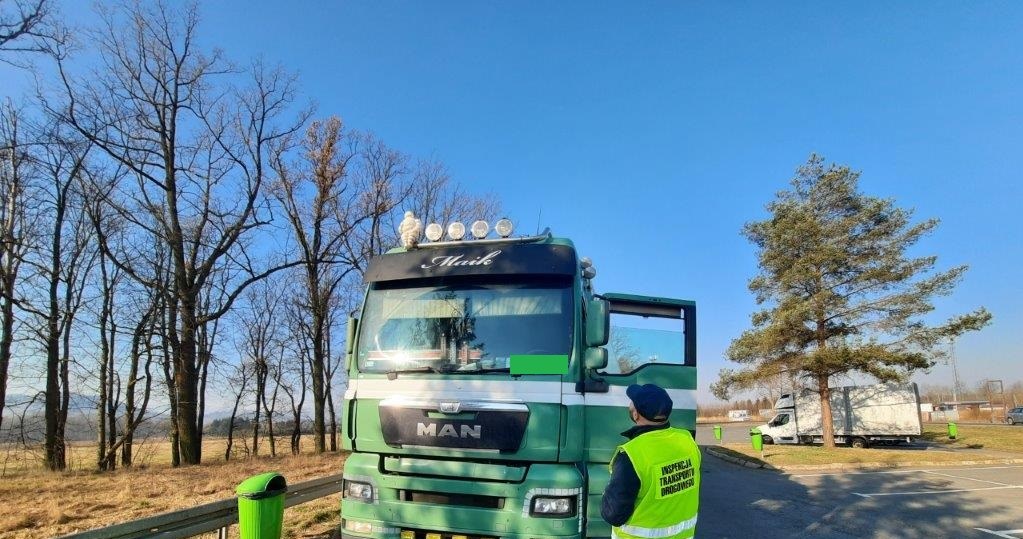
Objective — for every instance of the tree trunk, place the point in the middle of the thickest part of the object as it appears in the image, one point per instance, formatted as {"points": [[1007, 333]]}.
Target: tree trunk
{"points": [[129, 392], [168, 358], [269, 409], [333, 418], [316, 373], [234, 414], [65, 390], [107, 403], [827, 420], [6, 340], [54, 441], [260, 388], [13, 215], [207, 334], [104, 353], [173, 399], [185, 379], [113, 400]]}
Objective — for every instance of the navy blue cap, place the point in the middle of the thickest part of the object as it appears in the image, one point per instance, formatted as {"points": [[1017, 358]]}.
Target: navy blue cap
{"points": [[651, 401]]}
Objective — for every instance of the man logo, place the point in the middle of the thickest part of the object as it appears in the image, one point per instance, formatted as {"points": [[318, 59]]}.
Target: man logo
{"points": [[448, 430], [450, 407]]}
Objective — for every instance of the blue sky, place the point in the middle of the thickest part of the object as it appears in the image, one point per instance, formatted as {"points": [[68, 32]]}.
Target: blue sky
{"points": [[649, 133]]}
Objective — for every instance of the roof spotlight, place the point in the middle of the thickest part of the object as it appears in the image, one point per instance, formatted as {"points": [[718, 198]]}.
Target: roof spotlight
{"points": [[503, 228], [434, 232], [456, 231], [585, 262], [479, 229]]}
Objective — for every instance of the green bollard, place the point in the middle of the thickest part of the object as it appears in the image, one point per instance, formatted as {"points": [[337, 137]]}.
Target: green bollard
{"points": [[717, 432], [261, 506], [953, 431], [757, 438]]}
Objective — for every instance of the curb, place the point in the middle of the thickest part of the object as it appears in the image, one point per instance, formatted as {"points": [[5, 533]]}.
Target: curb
{"points": [[740, 461], [853, 466]]}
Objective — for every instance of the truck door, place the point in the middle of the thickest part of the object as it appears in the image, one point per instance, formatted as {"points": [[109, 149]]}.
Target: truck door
{"points": [[782, 428], [652, 340]]}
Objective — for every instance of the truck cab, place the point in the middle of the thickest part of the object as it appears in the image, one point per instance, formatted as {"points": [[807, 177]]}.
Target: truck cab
{"points": [[481, 401], [781, 429]]}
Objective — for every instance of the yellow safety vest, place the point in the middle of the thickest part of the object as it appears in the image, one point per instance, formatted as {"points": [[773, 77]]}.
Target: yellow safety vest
{"points": [[667, 462]]}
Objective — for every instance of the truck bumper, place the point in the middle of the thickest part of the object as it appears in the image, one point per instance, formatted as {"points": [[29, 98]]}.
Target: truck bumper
{"points": [[471, 500]]}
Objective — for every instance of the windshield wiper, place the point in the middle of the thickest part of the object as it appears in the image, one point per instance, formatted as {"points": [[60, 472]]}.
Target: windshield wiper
{"points": [[393, 373]]}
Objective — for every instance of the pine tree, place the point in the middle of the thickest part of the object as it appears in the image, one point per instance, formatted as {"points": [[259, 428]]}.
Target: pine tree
{"points": [[840, 292]]}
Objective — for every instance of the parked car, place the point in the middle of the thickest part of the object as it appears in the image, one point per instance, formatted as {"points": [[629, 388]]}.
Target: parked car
{"points": [[1015, 416]]}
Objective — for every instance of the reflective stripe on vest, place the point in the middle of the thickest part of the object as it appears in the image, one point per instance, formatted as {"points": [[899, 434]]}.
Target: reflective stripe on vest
{"points": [[655, 533], [667, 463]]}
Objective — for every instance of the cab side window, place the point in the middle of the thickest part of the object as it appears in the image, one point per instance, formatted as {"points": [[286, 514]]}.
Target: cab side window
{"points": [[636, 341]]}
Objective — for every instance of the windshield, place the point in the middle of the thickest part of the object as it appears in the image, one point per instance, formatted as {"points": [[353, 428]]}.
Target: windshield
{"points": [[464, 328]]}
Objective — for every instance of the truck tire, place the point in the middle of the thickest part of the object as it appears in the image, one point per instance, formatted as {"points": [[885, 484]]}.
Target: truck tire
{"points": [[858, 442], [767, 440], [806, 440]]}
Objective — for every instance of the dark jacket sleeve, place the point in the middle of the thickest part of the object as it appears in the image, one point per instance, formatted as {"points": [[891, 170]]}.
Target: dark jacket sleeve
{"points": [[620, 495]]}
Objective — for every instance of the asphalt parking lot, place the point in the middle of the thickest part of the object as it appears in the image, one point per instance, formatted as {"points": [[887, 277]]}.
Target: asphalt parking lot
{"points": [[956, 501]]}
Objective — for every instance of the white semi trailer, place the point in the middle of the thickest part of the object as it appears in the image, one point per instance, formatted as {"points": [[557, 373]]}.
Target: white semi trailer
{"points": [[862, 415]]}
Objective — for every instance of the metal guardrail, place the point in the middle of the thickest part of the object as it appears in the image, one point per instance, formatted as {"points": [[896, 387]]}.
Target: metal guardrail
{"points": [[211, 517]]}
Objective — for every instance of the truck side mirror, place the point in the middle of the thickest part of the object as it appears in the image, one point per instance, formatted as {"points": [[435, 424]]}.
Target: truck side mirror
{"points": [[598, 323], [595, 358], [353, 328]]}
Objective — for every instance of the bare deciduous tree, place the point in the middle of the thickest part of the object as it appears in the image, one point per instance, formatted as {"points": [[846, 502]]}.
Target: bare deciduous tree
{"points": [[24, 26], [62, 263], [239, 381], [319, 198], [14, 228], [196, 149]]}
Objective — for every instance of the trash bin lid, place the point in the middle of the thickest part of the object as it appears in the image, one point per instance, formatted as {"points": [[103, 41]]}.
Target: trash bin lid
{"points": [[262, 486]]}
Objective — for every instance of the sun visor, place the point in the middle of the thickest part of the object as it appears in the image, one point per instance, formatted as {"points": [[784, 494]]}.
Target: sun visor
{"points": [[491, 259]]}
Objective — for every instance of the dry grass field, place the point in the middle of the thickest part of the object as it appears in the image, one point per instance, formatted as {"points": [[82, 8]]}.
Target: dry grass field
{"points": [[40, 504]]}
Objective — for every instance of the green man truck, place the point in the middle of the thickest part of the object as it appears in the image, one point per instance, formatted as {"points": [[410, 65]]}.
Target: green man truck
{"points": [[481, 402]]}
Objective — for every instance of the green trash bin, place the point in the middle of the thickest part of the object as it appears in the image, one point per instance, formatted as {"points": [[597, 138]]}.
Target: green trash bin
{"points": [[261, 506], [717, 432], [953, 431], [757, 438]]}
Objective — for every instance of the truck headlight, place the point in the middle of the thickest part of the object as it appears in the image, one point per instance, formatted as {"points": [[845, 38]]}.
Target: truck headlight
{"points": [[553, 506], [358, 526], [358, 490]]}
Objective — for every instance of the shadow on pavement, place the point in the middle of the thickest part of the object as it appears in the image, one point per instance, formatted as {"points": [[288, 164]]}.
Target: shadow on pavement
{"points": [[739, 502]]}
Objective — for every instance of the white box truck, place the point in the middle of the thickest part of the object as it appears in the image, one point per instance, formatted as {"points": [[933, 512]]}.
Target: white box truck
{"points": [[862, 415]]}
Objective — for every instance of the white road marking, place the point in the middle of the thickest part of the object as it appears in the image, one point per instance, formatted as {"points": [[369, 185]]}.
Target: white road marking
{"points": [[902, 471], [873, 494], [932, 472], [1008, 534], [852, 473]]}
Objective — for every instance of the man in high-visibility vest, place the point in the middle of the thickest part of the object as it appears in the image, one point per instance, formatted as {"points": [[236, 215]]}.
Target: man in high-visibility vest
{"points": [[654, 490]]}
